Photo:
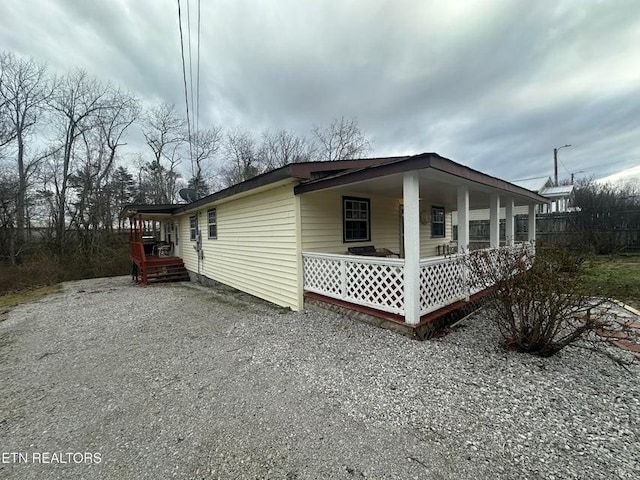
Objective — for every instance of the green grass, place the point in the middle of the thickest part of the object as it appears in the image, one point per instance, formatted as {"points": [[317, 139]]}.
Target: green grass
{"points": [[10, 300], [615, 276]]}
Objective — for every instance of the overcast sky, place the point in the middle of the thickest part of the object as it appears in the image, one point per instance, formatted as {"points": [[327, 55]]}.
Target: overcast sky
{"points": [[495, 85]]}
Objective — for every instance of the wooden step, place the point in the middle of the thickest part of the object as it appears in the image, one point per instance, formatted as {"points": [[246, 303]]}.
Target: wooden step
{"points": [[166, 271], [168, 278]]}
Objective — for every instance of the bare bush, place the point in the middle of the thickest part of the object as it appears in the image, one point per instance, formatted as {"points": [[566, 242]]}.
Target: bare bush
{"points": [[537, 300]]}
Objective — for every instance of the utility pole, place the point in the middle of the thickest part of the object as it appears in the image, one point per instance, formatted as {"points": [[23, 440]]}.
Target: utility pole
{"points": [[555, 163], [574, 173]]}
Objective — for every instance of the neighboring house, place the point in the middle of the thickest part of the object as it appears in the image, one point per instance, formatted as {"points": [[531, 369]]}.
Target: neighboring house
{"points": [[560, 196], [284, 236], [561, 199]]}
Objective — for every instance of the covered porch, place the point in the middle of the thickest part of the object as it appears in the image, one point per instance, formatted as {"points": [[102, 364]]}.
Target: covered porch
{"points": [[418, 196], [152, 250]]}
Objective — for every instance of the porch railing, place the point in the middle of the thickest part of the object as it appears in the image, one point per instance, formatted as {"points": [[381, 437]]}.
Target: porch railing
{"points": [[443, 281], [372, 282], [379, 283]]}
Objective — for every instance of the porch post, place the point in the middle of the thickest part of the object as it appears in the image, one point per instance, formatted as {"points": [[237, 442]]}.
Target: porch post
{"points": [[509, 223], [494, 221], [463, 219], [532, 223], [411, 198]]}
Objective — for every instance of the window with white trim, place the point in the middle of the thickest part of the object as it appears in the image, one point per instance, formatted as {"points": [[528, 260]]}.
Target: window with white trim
{"points": [[356, 215], [193, 228], [212, 222], [437, 222]]}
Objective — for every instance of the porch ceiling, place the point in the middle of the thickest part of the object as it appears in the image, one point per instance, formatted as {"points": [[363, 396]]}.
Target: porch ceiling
{"points": [[154, 216], [435, 187], [148, 212]]}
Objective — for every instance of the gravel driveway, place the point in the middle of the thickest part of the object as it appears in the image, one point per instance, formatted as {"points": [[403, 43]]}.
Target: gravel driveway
{"points": [[175, 381]]}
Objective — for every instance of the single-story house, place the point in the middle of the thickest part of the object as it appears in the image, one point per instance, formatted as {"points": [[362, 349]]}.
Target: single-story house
{"points": [[288, 236]]}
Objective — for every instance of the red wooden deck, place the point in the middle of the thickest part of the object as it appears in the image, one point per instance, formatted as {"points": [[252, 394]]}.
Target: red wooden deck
{"points": [[148, 268]]}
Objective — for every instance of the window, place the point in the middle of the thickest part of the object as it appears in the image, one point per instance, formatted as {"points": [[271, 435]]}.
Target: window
{"points": [[437, 222], [356, 215], [193, 227], [212, 222]]}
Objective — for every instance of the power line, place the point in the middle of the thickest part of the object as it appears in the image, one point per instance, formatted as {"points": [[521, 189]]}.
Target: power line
{"points": [[563, 166], [184, 81], [190, 63], [198, 76], [625, 163]]}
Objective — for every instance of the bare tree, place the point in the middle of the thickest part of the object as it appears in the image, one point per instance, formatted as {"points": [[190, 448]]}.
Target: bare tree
{"points": [[7, 133], [122, 190], [164, 132], [92, 210], [24, 90], [241, 153], [341, 140], [78, 101], [282, 148], [9, 187], [113, 122], [205, 144]]}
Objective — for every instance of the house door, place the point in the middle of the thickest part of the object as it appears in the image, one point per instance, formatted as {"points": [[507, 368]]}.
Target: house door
{"points": [[401, 231], [176, 244]]}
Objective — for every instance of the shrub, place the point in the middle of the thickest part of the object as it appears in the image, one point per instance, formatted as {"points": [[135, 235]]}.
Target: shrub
{"points": [[44, 266], [537, 300]]}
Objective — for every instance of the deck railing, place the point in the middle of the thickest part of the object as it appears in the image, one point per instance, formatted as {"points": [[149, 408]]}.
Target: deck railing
{"points": [[136, 250], [379, 283]]}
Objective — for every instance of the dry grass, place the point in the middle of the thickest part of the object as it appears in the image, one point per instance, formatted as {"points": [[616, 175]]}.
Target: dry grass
{"points": [[11, 300]]}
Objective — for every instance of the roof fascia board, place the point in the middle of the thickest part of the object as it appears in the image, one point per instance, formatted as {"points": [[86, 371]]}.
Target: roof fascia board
{"points": [[255, 182], [191, 207], [419, 162], [302, 171]]}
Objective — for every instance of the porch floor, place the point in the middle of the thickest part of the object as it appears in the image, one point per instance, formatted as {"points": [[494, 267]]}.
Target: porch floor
{"points": [[428, 325]]}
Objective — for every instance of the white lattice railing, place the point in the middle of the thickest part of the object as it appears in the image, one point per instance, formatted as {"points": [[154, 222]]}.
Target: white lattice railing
{"points": [[379, 282], [442, 282], [372, 282]]}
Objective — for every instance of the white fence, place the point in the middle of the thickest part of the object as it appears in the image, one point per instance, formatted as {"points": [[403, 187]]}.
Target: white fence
{"points": [[379, 282]]}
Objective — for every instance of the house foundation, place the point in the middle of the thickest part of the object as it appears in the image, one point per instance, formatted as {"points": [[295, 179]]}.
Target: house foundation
{"points": [[425, 329]]}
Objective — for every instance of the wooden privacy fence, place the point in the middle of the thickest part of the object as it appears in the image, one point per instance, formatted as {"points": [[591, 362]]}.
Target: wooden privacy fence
{"points": [[613, 230]]}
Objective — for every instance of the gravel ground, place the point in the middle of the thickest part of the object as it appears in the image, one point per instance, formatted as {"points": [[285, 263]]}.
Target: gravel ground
{"points": [[175, 381]]}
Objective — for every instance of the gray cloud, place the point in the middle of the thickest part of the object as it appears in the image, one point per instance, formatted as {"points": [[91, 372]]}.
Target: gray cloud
{"points": [[495, 85]]}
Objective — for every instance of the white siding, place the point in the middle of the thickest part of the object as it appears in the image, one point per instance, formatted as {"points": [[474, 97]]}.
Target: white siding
{"points": [[321, 214], [255, 249]]}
